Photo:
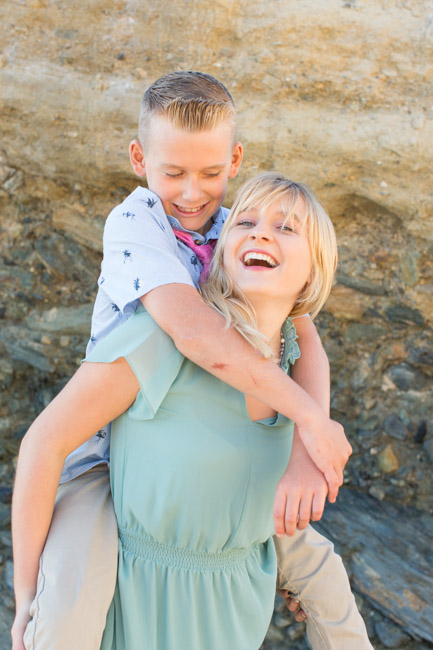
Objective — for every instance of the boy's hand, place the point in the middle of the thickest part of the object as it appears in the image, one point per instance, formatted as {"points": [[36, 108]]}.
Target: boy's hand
{"points": [[293, 605], [301, 492], [22, 618], [328, 447]]}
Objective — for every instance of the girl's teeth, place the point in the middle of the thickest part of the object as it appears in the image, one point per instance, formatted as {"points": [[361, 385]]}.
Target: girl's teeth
{"points": [[260, 257]]}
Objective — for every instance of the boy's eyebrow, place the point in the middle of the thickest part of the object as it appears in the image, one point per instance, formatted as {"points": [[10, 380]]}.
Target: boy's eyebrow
{"points": [[172, 166]]}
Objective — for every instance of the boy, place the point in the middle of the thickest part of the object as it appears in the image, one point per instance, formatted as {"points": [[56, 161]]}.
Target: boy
{"points": [[187, 149]]}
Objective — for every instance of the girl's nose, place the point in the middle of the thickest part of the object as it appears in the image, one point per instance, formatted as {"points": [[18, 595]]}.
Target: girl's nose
{"points": [[260, 232]]}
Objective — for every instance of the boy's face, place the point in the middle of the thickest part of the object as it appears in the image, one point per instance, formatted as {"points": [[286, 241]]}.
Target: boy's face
{"points": [[188, 170]]}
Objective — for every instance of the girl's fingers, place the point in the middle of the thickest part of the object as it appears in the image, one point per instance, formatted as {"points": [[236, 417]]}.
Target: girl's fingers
{"points": [[279, 512], [291, 515], [318, 506], [305, 511]]}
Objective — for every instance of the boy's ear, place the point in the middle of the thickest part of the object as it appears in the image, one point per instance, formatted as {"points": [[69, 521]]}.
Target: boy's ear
{"points": [[136, 157], [237, 155]]}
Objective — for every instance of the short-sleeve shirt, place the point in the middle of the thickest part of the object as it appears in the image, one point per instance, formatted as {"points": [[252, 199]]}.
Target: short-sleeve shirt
{"points": [[140, 253]]}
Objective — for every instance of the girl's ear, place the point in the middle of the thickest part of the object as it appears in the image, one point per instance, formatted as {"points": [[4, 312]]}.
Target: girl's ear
{"points": [[136, 157]]}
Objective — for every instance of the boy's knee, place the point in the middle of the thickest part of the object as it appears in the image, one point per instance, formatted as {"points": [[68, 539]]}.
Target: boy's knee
{"points": [[58, 623], [306, 560]]}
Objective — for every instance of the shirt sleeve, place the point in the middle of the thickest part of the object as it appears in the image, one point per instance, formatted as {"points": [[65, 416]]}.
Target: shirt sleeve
{"points": [[140, 254], [152, 355]]}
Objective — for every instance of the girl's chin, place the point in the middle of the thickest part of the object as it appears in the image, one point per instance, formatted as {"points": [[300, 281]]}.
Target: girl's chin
{"points": [[258, 297]]}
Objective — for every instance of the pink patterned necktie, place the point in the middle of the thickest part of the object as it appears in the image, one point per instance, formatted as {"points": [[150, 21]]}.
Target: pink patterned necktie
{"points": [[204, 252]]}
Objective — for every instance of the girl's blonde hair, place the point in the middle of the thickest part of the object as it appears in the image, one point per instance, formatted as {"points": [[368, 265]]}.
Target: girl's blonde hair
{"points": [[260, 192]]}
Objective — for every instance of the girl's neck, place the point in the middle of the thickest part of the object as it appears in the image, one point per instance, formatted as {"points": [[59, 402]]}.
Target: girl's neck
{"points": [[270, 318]]}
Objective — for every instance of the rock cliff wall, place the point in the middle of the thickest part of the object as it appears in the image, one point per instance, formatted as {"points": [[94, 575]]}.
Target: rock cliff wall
{"points": [[337, 94]]}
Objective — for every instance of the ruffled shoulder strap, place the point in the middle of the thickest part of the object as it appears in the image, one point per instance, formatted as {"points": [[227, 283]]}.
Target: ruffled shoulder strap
{"points": [[291, 350]]}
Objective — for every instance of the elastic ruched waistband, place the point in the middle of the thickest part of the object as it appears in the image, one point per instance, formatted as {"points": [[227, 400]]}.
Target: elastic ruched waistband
{"points": [[180, 558]]}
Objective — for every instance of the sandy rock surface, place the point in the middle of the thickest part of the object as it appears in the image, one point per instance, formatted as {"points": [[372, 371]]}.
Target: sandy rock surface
{"points": [[337, 94]]}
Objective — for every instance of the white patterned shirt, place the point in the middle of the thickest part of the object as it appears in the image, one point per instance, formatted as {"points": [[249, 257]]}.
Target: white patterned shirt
{"points": [[141, 253]]}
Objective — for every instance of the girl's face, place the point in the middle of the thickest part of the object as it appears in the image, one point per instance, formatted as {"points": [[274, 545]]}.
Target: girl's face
{"points": [[267, 255]]}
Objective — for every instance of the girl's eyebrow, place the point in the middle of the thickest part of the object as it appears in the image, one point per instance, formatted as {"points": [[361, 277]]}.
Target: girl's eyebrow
{"points": [[292, 217]]}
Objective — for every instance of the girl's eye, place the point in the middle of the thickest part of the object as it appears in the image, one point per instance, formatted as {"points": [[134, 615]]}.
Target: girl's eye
{"points": [[287, 227], [245, 222]]}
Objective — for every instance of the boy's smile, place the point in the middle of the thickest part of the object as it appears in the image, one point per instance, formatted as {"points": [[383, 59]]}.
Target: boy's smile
{"points": [[188, 170]]}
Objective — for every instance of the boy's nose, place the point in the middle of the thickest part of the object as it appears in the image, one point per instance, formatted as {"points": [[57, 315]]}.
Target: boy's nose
{"points": [[192, 191]]}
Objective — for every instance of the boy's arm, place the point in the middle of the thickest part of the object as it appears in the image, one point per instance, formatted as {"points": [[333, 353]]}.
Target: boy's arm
{"points": [[200, 334], [141, 259], [302, 490], [97, 393]]}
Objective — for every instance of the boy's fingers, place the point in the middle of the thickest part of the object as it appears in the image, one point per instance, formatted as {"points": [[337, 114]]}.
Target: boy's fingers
{"points": [[292, 604], [300, 616], [334, 483]]}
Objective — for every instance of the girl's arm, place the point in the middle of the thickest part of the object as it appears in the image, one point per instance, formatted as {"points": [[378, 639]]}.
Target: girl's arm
{"points": [[302, 490], [96, 394]]}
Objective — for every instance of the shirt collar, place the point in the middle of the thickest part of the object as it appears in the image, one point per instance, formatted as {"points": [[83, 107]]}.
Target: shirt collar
{"points": [[213, 232]]}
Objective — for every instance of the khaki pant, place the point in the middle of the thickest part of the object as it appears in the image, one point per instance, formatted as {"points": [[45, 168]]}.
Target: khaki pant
{"points": [[78, 573], [309, 568]]}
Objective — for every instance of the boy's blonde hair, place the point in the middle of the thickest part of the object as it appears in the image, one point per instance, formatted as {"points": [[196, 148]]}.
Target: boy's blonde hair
{"points": [[193, 101], [260, 192]]}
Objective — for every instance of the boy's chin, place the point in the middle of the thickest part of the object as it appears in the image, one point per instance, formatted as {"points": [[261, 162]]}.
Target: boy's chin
{"points": [[196, 225]]}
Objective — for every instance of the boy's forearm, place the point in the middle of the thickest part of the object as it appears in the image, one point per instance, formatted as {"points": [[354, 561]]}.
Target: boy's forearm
{"points": [[200, 334]]}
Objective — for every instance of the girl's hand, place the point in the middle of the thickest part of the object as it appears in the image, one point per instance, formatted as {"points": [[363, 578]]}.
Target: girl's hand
{"points": [[301, 492]]}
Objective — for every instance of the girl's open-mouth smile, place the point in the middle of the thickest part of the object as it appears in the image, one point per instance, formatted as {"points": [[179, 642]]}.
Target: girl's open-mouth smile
{"points": [[260, 259]]}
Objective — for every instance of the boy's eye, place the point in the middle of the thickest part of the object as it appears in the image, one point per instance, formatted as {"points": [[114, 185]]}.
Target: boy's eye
{"points": [[213, 174], [173, 175]]}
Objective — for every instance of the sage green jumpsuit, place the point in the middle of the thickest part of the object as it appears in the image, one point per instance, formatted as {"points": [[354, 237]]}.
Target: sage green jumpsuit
{"points": [[193, 482]]}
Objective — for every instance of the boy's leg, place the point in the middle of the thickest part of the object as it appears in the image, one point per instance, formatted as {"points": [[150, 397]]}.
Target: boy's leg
{"points": [[309, 568], [77, 573]]}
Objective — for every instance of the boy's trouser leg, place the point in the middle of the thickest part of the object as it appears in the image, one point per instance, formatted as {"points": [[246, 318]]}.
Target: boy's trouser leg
{"points": [[309, 568], [77, 573]]}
